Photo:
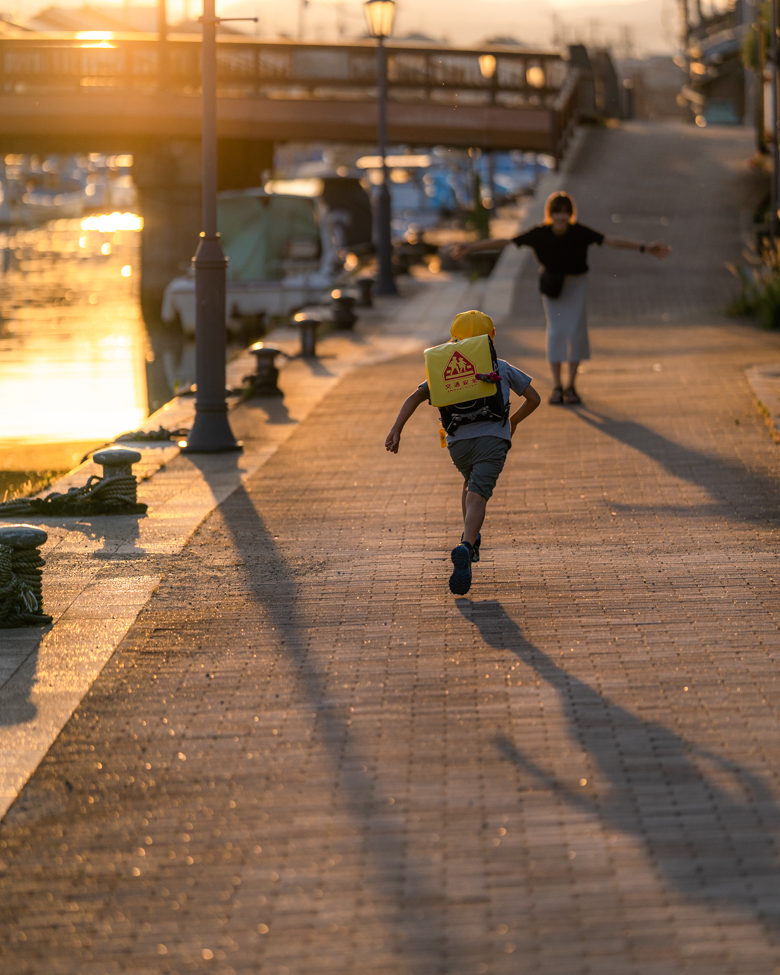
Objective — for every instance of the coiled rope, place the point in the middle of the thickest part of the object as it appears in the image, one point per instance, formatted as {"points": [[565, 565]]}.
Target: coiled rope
{"points": [[152, 436], [100, 496], [160, 435], [21, 599]]}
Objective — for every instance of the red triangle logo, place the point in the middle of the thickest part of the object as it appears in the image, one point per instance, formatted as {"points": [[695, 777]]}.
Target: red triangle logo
{"points": [[459, 367]]}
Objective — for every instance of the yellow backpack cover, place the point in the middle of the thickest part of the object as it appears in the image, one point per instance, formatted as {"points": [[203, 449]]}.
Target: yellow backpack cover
{"points": [[451, 370]]}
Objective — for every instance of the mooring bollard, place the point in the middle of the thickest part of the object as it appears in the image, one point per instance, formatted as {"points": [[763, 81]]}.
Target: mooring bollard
{"points": [[118, 478], [308, 327], [265, 380], [21, 579], [366, 286], [115, 493], [343, 305]]}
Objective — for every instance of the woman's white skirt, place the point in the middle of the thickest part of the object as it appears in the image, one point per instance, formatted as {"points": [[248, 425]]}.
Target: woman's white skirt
{"points": [[567, 326]]}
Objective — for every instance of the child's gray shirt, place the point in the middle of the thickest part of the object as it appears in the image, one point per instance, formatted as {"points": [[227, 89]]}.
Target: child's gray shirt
{"points": [[511, 378]]}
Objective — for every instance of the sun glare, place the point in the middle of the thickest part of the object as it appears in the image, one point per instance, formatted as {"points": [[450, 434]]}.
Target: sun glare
{"points": [[111, 223]]}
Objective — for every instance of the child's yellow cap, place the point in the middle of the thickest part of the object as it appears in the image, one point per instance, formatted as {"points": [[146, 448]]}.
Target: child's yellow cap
{"points": [[470, 323]]}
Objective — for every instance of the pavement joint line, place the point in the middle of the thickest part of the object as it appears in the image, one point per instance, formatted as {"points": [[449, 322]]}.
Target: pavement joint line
{"points": [[46, 675]]}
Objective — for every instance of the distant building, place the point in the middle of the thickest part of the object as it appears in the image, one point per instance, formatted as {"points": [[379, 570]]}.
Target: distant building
{"points": [[502, 41], [600, 94], [418, 37], [653, 88], [716, 87]]}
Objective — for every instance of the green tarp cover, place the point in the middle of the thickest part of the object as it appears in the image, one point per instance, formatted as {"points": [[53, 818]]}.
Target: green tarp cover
{"points": [[256, 233]]}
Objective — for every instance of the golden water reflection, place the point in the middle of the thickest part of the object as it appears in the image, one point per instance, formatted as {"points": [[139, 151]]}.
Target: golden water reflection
{"points": [[73, 345]]}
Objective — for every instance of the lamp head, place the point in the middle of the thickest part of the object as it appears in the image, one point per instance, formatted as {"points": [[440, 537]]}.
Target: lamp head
{"points": [[487, 65], [379, 17]]}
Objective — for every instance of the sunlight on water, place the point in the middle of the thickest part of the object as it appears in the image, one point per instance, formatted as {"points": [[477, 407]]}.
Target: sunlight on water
{"points": [[72, 340], [110, 223]]}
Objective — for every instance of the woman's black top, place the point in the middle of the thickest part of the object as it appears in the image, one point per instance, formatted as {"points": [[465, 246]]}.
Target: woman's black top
{"points": [[567, 253]]}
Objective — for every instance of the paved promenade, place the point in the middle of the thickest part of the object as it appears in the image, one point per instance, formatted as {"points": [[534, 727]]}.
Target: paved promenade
{"points": [[307, 757]]}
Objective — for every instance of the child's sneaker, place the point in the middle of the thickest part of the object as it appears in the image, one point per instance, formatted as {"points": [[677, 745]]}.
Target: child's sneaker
{"points": [[460, 580], [474, 547]]}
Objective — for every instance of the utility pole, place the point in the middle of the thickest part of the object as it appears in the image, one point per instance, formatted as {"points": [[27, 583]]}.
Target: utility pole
{"points": [[758, 82], [773, 55], [162, 37], [685, 22], [302, 5]]}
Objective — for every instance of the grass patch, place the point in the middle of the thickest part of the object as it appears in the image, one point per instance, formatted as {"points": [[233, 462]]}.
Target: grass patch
{"points": [[20, 484]]}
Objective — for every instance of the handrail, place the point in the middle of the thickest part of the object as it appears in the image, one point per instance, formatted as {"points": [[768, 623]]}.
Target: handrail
{"points": [[272, 68], [566, 113]]}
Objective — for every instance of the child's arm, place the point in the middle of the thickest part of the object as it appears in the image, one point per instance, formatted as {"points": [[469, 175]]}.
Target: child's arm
{"points": [[532, 400], [393, 439]]}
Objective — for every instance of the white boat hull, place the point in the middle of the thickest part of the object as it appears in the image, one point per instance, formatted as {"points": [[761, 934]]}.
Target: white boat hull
{"points": [[245, 299]]}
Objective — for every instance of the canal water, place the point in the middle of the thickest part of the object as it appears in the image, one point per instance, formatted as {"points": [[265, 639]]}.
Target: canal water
{"points": [[77, 363]]}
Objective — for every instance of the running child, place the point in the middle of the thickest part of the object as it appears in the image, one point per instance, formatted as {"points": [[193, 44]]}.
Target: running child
{"points": [[479, 435]]}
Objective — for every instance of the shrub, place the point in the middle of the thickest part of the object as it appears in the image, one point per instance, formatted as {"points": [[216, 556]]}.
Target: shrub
{"points": [[759, 280]]}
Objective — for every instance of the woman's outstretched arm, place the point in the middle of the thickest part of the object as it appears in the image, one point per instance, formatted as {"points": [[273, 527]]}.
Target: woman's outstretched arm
{"points": [[459, 251], [657, 248]]}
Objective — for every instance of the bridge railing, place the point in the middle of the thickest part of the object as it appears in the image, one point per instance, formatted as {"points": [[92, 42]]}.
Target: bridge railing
{"points": [[249, 67]]}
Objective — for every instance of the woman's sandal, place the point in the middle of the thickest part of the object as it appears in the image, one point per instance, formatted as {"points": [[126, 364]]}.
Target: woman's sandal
{"points": [[571, 396], [557, 396]]}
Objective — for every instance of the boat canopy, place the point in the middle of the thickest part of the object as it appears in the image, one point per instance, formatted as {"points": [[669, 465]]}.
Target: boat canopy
{"points": [[260, 233]]}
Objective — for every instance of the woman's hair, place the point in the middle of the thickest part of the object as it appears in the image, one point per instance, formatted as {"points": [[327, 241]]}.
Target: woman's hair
{"points": [[560, 203]]}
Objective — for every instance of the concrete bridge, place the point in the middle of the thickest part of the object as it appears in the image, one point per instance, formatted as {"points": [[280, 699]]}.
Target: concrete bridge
{"points": [[137, 93], [130, 89]]}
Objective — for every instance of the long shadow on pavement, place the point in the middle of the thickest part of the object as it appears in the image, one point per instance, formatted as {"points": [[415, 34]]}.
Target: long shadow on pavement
{"points": [[715, 846], [275, 587], [733, 488], [18, 658], [19, 648]]}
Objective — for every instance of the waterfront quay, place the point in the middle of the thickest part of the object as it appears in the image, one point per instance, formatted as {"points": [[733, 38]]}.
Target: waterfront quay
{"points": [[262, 736]]}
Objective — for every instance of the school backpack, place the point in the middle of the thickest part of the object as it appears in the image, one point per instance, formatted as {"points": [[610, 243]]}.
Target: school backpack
{"points": [[463, 381]]}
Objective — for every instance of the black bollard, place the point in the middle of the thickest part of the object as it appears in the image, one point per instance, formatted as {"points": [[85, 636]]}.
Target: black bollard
{"points": [[21, 596], [343, 305], [308, 327], [264, 382], [117, 464], [366, 286]]}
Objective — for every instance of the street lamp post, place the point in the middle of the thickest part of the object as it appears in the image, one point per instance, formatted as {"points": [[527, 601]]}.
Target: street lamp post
{"points": [[211, 431], [379, 17]]}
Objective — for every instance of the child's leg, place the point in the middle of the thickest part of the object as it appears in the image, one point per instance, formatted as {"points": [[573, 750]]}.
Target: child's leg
{"points": [[573, 366], [474, 506], [555, 369]]}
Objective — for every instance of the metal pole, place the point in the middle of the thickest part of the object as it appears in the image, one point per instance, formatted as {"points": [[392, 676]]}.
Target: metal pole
{"points": [[758, 83], [211, 431], [773, 218], [302, 5], [162, 37], [385, 283]]}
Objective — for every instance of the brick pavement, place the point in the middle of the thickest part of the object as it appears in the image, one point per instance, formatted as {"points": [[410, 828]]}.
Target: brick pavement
{"points": [[308, 757]]}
